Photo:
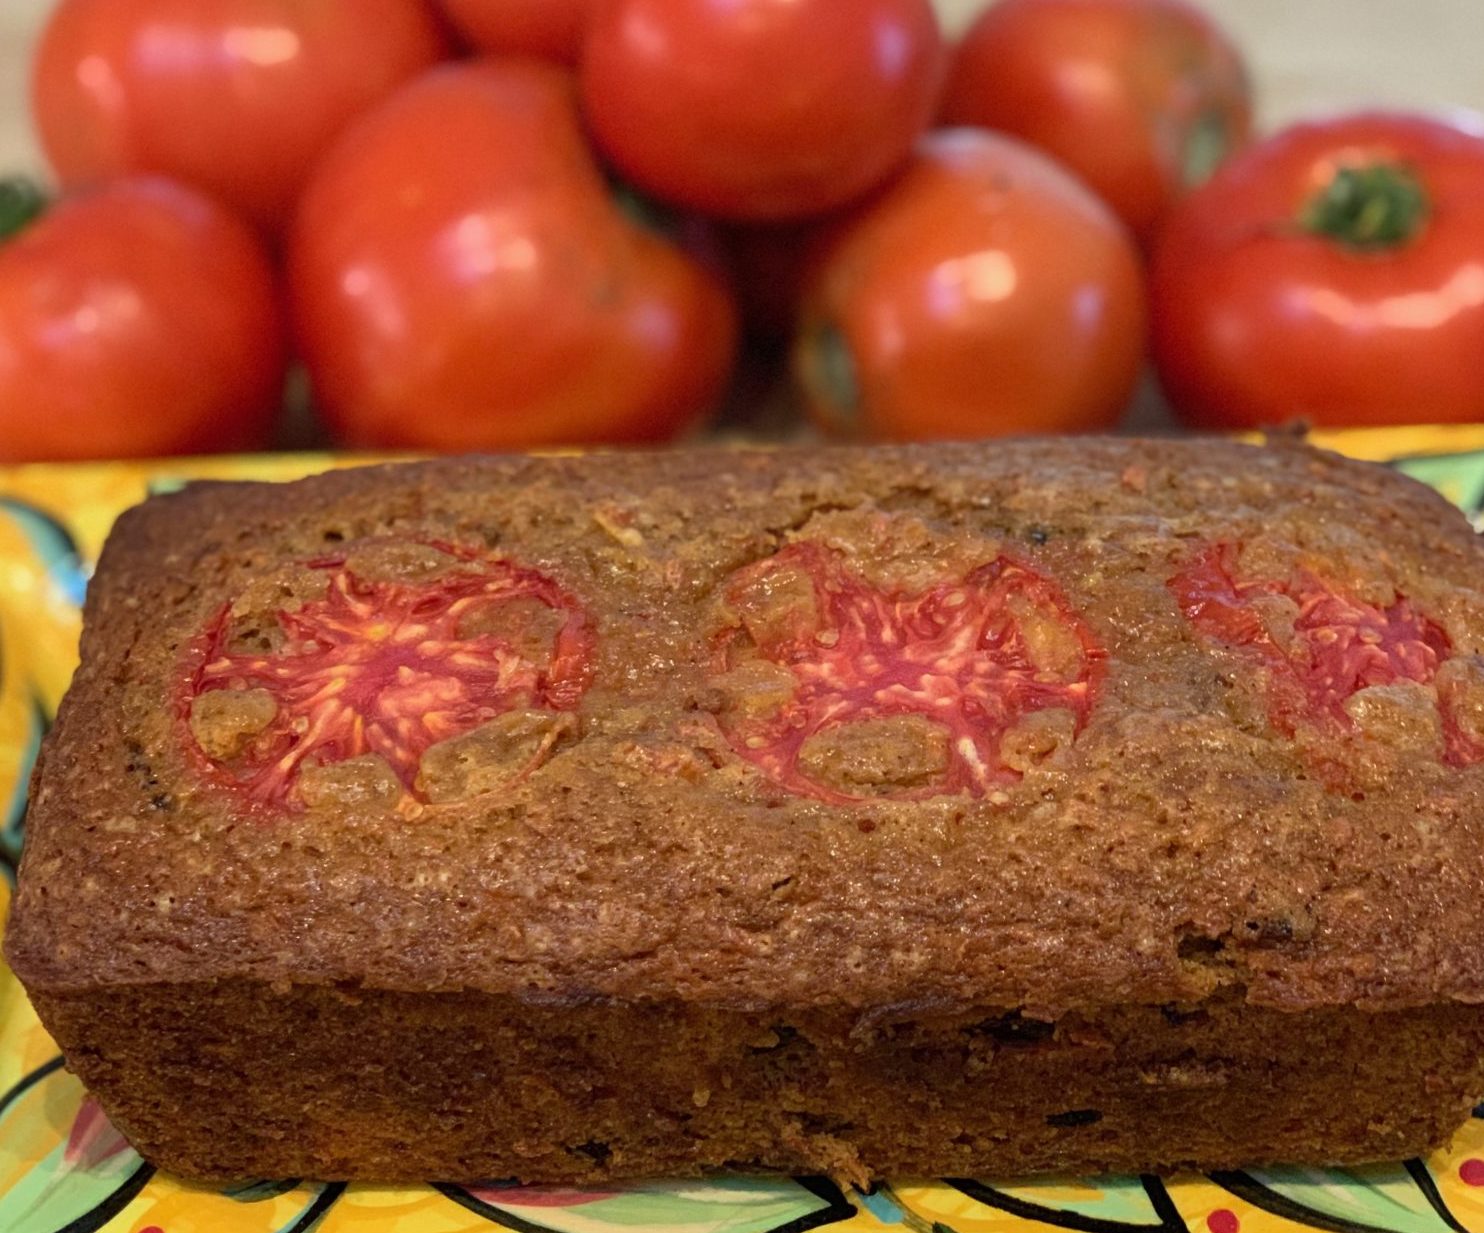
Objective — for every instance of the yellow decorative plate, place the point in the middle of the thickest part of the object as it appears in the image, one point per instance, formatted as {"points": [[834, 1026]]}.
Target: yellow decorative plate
{"points": [[64, 1169]]}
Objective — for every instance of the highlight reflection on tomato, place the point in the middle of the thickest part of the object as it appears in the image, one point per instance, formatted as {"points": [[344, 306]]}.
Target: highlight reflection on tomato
{"points": [[138, 319], [463, 279], [237, 97], [756, 110], [985, 292], [1143, 99], [1334, 274]]}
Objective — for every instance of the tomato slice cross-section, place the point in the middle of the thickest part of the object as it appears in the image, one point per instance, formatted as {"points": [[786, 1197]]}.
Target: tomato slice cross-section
{"points": [[1318, 646], [386, 650], [844, 690]]}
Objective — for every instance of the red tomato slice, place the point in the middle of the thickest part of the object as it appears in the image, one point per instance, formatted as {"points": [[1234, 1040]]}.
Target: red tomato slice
{"points": [[968, 660], [1340, 645], [388, 666]]}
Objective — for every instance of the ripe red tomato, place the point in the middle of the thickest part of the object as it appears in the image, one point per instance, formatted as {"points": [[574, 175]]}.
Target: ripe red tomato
{"points": [[756, 110], [237, 97], [1333, 274], [985, 292], [464, 280], [1142, 98], [137, 320], [553, 29]]}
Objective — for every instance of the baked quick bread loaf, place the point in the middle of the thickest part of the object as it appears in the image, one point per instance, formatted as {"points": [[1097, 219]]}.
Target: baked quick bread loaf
{"points": [[946, 810]]}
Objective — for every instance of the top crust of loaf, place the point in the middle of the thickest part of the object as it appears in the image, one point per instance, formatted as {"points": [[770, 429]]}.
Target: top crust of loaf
{"points": [[1184, 842]]}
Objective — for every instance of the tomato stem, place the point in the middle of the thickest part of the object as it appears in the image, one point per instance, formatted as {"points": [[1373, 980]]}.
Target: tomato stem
{"points": [[829, 372], [644, 211], [21, 203], [1207, 144], [1369, 208]]}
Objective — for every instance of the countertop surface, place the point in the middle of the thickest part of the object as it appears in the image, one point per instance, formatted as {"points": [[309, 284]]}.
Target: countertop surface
{"points": [[1308, 56]]}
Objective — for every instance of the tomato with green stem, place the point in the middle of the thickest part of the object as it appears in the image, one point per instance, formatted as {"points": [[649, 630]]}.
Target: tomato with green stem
{"points": [[1141, 98], [1334, 275], [985, 292]]}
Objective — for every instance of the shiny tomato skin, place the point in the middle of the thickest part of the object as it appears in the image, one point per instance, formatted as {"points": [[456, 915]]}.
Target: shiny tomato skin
{"points": [[137, 320], [986, 292], [1142, 98], [463, 279], [237, 97], [759, 111], [1258, 322], [551, 29]]}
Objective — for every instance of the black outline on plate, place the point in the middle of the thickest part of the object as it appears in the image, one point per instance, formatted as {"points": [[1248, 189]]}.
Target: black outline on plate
{"points": [[270, 1190], [94, 1219], [479, 1207], [1250, 1190], [837, 1208], [1428, 1184], [26, 1082], [319, 1209], [1170, 1220]]}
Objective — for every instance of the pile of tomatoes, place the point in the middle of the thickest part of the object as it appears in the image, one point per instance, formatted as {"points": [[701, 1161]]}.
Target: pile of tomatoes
{"points": [[503, 224]]}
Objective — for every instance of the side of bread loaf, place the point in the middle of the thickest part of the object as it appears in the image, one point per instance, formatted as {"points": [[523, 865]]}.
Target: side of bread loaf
{"points": [[242, 1080], [941, 809]]}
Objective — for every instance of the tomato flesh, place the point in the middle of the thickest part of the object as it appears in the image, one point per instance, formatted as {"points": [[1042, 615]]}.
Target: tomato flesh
{"points": [[1340, 644], [956, 654], [390, 667]]}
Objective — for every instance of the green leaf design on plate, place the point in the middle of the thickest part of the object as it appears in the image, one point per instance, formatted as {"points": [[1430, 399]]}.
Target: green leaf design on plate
{"points": [[722, 1205], [1086, 1203], [166, 485], [1121, 1200], [1459, 477], [1379, 1197], [54, 545], [88, 1171]]}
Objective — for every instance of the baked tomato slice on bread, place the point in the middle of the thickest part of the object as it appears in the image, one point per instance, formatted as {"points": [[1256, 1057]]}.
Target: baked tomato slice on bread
{"points": [[841, 688], [1333, 662], [395, 671]]}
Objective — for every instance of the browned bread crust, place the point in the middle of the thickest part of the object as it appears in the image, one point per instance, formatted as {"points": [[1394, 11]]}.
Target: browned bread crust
{"points": [[942, 810]]}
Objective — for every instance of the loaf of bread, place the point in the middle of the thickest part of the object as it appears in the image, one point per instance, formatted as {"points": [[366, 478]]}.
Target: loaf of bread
{"points": [[962, 810]]}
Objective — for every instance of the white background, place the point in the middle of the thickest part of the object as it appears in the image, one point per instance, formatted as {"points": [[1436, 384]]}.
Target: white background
{"points": [[1307, 55]]}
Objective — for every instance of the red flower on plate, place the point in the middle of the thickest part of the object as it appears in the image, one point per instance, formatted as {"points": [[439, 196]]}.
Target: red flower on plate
{"points": [[92, 1139]]}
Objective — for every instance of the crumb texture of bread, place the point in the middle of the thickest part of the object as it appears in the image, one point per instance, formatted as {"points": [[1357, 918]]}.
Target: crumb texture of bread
{"points": [[940, 809]]}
